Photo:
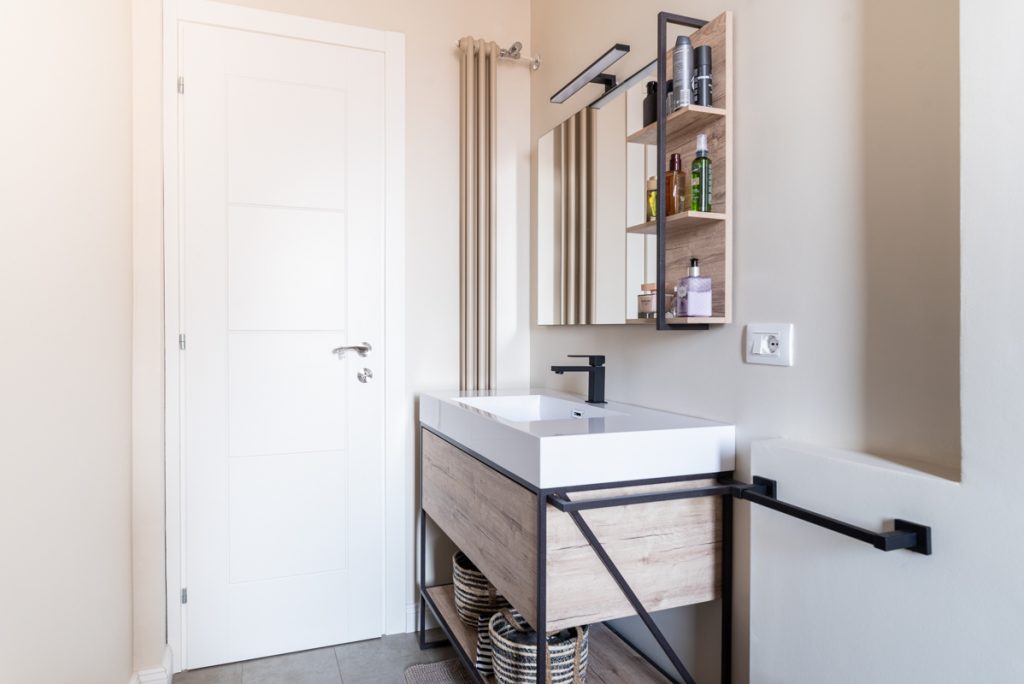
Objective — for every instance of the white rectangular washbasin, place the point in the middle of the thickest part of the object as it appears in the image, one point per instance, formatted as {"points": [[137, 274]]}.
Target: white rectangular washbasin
{"points": [[530, 408], [550, 439]]}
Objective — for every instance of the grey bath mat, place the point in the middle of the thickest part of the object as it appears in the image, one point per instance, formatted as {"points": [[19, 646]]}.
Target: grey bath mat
{"points": [[443, 672]]}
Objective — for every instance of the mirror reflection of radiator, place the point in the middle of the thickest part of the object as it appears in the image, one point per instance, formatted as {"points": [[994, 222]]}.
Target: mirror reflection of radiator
{"points": [[574, 214]]}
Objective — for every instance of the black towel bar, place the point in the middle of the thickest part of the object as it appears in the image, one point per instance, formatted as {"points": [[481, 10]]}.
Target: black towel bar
{"points": [[905, 535]]}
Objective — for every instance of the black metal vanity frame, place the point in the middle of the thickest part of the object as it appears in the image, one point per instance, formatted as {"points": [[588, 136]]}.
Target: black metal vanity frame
{"points": [[905, 535]]}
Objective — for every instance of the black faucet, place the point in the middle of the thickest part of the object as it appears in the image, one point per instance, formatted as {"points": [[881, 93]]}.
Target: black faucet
{"points": [[595, 383]]}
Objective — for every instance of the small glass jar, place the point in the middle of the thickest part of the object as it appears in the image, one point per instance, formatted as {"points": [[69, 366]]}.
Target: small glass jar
{"points": [[647, 301]]}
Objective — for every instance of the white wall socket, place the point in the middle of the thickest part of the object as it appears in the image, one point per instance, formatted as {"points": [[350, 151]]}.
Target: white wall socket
{"points": [[769, 343]]}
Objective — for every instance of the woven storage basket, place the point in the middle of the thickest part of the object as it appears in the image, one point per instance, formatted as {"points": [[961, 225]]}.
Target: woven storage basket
{"points": [[514, 646], [474, 595]]}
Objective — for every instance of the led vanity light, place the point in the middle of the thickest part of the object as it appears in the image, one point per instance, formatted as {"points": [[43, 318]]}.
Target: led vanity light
{"points": [[624, 86], [593, 74]]}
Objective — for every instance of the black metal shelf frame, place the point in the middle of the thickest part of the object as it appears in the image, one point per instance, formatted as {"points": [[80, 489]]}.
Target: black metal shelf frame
{"points": [[664, 19], [763, 491]]}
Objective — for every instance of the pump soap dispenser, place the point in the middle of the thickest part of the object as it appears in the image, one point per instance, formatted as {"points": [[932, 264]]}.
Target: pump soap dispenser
{"points": [[693, 293]]}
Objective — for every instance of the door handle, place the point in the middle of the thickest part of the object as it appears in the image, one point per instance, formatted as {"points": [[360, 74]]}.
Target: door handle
{"points": [[364, 375], [361, 349]]}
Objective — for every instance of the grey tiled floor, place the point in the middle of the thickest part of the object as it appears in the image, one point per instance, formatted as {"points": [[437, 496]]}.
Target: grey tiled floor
{"points": [[366, 662]]}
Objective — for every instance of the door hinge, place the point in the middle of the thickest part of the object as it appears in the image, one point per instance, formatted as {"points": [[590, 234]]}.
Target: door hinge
{"points": [[181, 341], [184, 596], [181, 84]]}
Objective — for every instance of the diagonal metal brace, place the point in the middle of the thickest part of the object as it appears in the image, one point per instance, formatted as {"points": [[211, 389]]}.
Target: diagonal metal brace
{"points": [[630, 595]]}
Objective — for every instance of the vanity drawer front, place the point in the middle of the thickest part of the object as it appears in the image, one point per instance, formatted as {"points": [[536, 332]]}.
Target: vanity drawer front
{"points": [[669, 552], [492, 519]]}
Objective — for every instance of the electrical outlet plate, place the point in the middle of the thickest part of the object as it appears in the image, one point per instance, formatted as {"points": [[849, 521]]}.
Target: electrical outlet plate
{"points": [[769, 343]]}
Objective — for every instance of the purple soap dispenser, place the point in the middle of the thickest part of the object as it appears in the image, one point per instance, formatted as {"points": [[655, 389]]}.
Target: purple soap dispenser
{"points": [[693, 293]]}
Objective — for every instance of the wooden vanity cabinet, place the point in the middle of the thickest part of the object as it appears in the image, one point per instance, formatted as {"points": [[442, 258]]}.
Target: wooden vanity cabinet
{"points": [[669, 552]]}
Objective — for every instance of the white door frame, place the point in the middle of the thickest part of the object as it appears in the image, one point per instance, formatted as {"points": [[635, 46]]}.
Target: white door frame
{"points": [[397, 418]]}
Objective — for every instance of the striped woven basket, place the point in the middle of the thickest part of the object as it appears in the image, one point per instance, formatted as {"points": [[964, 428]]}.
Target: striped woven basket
{"points": [[474, 595], [514, 651]]}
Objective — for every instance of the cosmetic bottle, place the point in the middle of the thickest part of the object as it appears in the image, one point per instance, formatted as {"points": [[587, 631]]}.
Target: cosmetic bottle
{"points": [[646, 301], [651, 103], [702, 92], [674, 189], [693, 293], [682, 72], [652, 198], [700, 177]]}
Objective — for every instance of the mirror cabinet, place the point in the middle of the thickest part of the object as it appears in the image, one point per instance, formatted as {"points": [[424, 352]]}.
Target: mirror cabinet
{"points": [[597, 242]]}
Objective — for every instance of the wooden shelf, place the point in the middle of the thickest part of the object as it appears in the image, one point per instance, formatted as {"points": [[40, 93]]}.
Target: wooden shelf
{"points": [[611, 660], [714, 320], [692, 219], [684, 122]]}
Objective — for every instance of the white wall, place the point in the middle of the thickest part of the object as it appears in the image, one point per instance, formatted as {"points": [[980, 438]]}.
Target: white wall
{"points": [[825, 609], [846, 200], [432, 96], [65, 331]]}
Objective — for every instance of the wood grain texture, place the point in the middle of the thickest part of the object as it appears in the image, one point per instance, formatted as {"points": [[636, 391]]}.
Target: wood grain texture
{"points": [[684, 218], [611, 661], [490, 518], [686, 122], [678, 319], [713, 248], [708, 243], [669, 552]]}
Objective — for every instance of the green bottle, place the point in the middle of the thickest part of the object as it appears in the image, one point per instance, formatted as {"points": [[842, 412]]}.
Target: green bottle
{"points": [[700, 177]]}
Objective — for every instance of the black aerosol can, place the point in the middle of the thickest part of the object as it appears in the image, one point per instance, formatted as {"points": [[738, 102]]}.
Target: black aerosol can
{"points": [[702, 92]]}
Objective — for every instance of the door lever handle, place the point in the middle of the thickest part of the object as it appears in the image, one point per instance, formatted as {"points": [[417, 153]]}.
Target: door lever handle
{"points": [[361, 349]]}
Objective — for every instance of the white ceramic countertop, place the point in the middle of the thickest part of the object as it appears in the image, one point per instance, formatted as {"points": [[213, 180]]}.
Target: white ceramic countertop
{"points": [[612, 443]]}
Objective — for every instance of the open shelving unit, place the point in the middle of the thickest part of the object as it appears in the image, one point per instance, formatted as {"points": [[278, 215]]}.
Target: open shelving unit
{"points": [[610, 661], [689, 121], [705, 235], [692, 219]]}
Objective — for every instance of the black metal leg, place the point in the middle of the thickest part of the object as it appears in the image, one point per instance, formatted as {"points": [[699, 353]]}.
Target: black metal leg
{"points": [[542, 588], [727, 565], [421, 620]]}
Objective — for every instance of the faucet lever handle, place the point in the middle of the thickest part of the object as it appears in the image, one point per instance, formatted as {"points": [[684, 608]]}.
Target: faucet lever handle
{"points": [[594, 360]]}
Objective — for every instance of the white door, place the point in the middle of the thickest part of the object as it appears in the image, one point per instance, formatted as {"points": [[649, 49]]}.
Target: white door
{"points": [[282, 196]]}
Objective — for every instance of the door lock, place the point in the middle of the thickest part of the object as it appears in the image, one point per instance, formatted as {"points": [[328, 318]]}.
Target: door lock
{"points": [[364, 375]]}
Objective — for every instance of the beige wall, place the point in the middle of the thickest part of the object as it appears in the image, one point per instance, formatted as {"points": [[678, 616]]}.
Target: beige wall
{"points": [[957, 615], [846, 201], [432, 95], [65, 294], [846, 222]]}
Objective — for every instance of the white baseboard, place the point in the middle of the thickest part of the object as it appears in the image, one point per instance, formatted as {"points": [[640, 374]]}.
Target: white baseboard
{"points": [[160, 674]]}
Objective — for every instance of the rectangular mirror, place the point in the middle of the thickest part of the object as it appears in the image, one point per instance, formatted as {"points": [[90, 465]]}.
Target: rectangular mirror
{"points": [[591, 185]]}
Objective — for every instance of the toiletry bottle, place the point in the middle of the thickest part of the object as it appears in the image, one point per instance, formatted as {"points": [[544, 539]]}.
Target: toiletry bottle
{"points": [[674, 194], [651, 104], [693, 293], [652, 198], [702, 92], [646, 303], [682, 72], [700, 177]]}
